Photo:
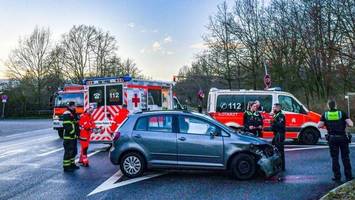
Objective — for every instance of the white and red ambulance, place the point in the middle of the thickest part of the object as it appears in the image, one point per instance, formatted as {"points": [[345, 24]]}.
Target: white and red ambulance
{"points": [[228, 106], [110, 94]]}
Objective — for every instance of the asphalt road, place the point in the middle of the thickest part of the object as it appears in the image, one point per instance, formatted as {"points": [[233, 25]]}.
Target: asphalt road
{"points": [[31, 168]]}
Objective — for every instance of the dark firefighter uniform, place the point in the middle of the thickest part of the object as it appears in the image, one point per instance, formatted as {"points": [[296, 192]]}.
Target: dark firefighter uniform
{"points": [[253, 119], [334, 120], [278, 127], [71, 130]]}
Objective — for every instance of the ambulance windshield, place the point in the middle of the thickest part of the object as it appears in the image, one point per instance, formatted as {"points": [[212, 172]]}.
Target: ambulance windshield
{"points": [[62, 99]]}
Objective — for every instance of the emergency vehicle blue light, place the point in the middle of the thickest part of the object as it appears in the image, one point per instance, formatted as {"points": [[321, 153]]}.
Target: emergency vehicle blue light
{"points": [[127, 78]]}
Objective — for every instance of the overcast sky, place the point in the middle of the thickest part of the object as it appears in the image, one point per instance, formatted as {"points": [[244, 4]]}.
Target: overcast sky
{"points": [[160, 35]]}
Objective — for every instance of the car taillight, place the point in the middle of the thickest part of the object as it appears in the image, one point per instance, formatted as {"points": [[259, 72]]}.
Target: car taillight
{"points": [[117, 136]]}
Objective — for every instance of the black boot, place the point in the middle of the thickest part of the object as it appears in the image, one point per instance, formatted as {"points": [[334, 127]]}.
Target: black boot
{"points": [[75, 167], [68, 169]]}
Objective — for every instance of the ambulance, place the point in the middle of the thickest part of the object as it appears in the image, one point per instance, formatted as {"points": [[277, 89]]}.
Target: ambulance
{"points": [[228, 106], [109, 95], [70, 92]]}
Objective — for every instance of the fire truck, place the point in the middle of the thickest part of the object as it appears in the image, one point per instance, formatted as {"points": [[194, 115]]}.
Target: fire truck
{"points": [[109, 94], [70, 92], [228, 106]]}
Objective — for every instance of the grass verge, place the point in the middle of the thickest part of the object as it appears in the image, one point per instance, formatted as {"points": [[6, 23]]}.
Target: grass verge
{"points": [[344, 192]]}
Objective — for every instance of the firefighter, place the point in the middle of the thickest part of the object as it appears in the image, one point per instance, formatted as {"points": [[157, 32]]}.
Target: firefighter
{"points": [[120, 117], [87, 125], [336, 122], [71, 130], [278, 127], [253, 121]]}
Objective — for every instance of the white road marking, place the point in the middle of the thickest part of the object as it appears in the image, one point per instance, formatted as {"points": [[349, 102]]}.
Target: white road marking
{"points": [[110, 183], [29, 143], [34, 132], [50, 152], [90, 154], [10, 153]]}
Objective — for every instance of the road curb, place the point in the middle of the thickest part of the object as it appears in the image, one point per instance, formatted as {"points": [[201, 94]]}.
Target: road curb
{"points": [[336, 189]]}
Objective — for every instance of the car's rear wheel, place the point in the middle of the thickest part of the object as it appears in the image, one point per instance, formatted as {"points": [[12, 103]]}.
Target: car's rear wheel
{"points": [[60, 133], [309, 136], [132, 165], [243, 166]]}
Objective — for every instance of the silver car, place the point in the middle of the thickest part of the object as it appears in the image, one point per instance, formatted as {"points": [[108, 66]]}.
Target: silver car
{"points": [[187, 140]]}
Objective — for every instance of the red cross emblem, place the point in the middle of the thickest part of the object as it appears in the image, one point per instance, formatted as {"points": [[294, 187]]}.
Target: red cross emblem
{"points": [[136, 100]]}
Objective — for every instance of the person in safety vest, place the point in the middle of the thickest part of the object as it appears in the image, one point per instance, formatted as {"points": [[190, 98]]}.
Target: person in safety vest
{"points": [[336, 122], [87, 125], [71, 131], [120, 117], [253, 121], [278, 127]]}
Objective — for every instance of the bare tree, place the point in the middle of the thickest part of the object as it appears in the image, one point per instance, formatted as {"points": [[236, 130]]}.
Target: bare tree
{"points": [[77, 51], [104, 48], [30, 60]]}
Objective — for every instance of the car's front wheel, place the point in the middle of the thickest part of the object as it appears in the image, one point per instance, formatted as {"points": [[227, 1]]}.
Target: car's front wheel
{"points": [[132, 165], [243, 166]]}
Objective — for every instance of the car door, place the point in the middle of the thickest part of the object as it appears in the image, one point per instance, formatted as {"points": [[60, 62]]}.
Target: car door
{"points": [[196, 146], [157, 136]]}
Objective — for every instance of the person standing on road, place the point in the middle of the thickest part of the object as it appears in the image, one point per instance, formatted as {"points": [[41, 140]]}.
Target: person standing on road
{"points": [[71, 130], [87, 125], [278, 127], [336, 121], [253, 121]]}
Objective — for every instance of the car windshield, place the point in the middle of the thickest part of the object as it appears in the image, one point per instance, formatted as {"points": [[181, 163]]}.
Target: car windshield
{"points": [[62, 99], [217, 122]]}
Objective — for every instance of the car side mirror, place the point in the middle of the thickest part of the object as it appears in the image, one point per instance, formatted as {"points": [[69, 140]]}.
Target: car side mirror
{"points": [[212, 131]]}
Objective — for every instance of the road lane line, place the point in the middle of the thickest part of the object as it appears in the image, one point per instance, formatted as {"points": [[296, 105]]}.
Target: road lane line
{"points": [[28, 133], [90, 154], [29, 142], [10, 153], [110, 183], [50, 152]]}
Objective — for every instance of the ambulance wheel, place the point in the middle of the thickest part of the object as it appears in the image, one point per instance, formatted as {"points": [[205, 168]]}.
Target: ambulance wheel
{"points": [[132, 165], [309, 136], [243, 166], [60, 133]]}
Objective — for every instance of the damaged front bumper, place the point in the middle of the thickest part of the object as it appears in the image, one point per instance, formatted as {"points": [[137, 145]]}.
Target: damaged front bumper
{"points": [[270, 161]]}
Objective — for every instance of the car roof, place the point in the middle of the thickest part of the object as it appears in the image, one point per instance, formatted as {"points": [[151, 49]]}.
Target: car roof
{"points": [[158, 112]]}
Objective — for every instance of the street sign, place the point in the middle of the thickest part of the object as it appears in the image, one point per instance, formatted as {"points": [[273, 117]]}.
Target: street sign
{"points": [[4, 97], [4, 100], [267, 81]]}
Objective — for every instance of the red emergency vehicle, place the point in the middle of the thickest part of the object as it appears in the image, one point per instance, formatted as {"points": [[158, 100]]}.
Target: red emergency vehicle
{"points": [[228, 106], [70, 92]]}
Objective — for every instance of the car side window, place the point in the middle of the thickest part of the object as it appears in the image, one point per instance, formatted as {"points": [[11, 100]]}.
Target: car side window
{"points": [[160, 123], [289, 104], [141, 124], [192, 125]]}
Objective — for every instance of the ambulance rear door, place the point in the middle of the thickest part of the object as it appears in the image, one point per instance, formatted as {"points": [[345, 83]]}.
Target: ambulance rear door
{"points": [[109, 100]]}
